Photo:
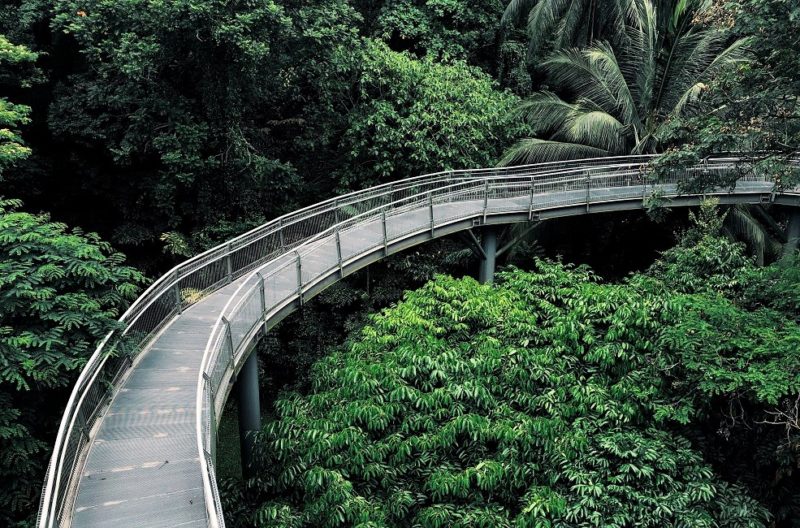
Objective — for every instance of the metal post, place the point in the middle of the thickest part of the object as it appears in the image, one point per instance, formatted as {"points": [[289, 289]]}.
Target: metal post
{"points": [[430, 208], [178, 300], [385, 235], [228, 263], [263, 295], [339, 252], [530, 205], [792, 234], [336, 211], [489, 243], [280, 234], [299, 278], [249, 411], [485, 199], [588, 189], [229, 339]]}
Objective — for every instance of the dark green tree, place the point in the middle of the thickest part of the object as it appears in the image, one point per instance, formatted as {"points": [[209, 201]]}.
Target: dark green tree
{"points": [[13, 116], [172, 99], [441, 29], [415, 116], [61, 292]]}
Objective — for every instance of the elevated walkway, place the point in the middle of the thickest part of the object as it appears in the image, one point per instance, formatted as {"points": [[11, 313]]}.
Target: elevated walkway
{"points": [[137, 444]]}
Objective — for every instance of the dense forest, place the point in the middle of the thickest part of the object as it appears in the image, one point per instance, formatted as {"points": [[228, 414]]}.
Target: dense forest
{"points": [[627, 369]]}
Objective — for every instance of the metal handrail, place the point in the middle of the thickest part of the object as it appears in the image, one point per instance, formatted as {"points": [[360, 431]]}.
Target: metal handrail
{"points": [[187, 282]]}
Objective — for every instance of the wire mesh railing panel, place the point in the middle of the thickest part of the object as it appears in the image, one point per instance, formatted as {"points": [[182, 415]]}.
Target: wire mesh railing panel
{"points": [[280, 283], [197, 283], [320, 259], [247, 315]]}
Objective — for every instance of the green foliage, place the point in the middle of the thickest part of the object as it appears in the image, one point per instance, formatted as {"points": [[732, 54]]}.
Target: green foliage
{"points": [[416, 116], [540, 402], [705, 260], [442, 29], [567, 24], [622, 96], [61, 291], [169, 94], [12, 116], [754, 107]]}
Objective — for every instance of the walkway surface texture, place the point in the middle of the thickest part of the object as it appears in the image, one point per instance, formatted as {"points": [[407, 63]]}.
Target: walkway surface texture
{"points": [[143, 468]]}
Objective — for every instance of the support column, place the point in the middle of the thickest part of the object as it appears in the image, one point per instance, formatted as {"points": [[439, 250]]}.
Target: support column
{"points": [[249, 410], [792, 234], [489, 244]]}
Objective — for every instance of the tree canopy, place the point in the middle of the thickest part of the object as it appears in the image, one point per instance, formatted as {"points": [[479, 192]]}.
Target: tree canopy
{"points": [[552, 399]]}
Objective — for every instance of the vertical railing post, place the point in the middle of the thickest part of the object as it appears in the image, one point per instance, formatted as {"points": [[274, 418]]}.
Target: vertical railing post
{"points": [[530, 204], [385, 235], [299, 278], [588, 189], [430, 209], [339, 252], [336, 211], [228, 263], [177, 288], [229, 339], [485, 199], [280, 234], [263, 296]]}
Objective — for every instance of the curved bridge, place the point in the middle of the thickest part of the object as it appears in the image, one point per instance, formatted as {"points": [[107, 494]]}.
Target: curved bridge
{"points": [[137, 442]]}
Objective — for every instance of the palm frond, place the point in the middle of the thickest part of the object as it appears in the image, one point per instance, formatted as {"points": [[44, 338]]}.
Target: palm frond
{"points": [[571, 29], [639, 63], [591, 126], [542, 21], [534, 150], [516, 9], [578, 71], [604, 61], [545, 111], [745, 227], [679, 95]]}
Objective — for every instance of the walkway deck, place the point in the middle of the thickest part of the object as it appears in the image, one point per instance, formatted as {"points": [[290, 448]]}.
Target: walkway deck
{"points": [[143, 467]]}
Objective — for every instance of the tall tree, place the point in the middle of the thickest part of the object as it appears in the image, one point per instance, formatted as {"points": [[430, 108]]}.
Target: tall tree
{"points": [[622, 98], [568, 23], [61, 291], [410, 116], [170, 100]]}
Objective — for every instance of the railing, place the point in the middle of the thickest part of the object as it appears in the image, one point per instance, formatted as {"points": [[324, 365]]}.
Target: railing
{"points": [[284, 243]]}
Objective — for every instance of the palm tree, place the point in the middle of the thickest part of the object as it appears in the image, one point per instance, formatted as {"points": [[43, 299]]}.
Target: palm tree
{"points": [[623, 95], [570, 22]]}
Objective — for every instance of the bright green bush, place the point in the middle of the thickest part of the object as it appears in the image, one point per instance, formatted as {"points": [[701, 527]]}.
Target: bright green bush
{"points": [[549, 400]]}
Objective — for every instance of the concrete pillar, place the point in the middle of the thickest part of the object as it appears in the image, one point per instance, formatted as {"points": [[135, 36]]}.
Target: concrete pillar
{"points": [[249, 410], [489, 244], [792, 234]]}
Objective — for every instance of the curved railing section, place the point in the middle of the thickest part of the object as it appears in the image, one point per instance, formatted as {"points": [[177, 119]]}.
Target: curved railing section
{"points": [[286, 280], [287, 245]]}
